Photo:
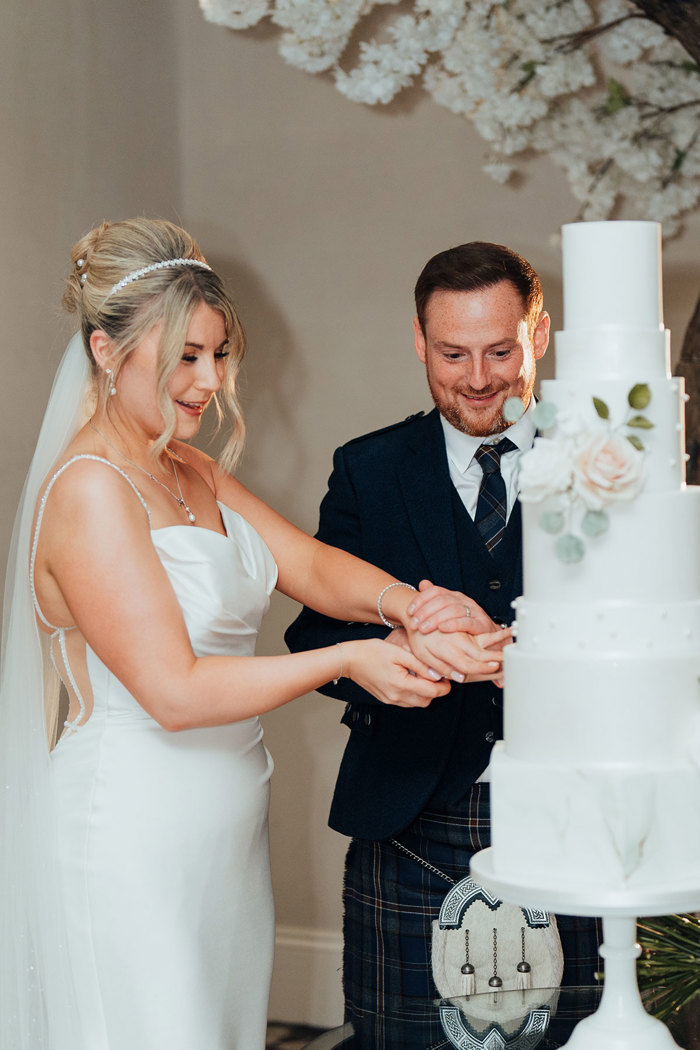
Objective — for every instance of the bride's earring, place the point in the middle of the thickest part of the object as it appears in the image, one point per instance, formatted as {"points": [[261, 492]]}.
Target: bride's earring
{"points": [[110, 382]]}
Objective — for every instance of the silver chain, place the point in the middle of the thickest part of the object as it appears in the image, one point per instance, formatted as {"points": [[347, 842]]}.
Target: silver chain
{"points": [[424, 863], [178, 499]]}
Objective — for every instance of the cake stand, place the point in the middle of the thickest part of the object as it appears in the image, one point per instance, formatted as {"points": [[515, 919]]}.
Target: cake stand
{"points": [[620, 1022]]}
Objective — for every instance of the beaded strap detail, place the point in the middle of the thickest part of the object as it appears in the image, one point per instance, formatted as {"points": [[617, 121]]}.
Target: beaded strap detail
{"points": [[60, 632]]}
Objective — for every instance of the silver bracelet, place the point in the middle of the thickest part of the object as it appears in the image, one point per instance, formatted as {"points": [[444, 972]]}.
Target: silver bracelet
{"points": [[340, 647], [382, 617]]}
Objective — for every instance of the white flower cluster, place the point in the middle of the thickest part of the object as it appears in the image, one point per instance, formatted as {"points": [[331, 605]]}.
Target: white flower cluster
{"points": [[583, 467], [602, 90], [598, 468]]}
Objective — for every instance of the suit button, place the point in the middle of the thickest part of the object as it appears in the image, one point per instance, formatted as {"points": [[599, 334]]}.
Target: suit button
{"points": [[355, 716], [494, 585], [489, 737], [368, 720]]}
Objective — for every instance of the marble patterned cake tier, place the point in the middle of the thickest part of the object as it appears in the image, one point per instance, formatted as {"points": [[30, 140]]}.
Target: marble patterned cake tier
{"points": [[612, 828]]}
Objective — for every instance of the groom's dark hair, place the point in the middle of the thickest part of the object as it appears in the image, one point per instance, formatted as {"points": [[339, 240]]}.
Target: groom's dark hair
{"points": [[475, 265]]}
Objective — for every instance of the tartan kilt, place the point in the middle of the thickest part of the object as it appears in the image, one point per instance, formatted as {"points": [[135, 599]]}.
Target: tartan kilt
{"points": [[390, 902]]}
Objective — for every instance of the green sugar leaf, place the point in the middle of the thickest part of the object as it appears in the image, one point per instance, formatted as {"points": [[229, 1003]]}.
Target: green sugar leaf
{"points": [[552, 522], [569, 549], [601, 408], [637, 442], [544, 415], [641, 422], [639, 396], [594, 522], [512, 409]]}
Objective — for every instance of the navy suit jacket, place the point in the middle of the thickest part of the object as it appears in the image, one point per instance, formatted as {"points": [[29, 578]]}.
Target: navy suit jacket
{"points": [[390, 501]]}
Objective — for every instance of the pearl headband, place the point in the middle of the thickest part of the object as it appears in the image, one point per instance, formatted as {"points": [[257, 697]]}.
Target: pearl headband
{"points": [[165, 264]]}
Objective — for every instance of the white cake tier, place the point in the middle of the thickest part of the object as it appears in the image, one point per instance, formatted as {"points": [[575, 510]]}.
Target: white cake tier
{"points": [[664, 443], [610, 828], [602, 708], [589, 629], [612, 275], [649, 554], [632, 355]]}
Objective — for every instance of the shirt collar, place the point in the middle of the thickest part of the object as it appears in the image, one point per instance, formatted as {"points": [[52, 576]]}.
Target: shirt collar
{"points": [[461, 447]]}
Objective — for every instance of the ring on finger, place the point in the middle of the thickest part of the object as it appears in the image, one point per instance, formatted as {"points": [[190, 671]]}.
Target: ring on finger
{"points": [[467, 611]]}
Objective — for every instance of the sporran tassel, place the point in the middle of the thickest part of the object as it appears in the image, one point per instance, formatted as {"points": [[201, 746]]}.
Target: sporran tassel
{"points": [[524, 970], [468, 969]]}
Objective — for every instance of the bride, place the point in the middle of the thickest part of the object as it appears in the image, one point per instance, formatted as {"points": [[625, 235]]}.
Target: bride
{"points": [[136, 904]]}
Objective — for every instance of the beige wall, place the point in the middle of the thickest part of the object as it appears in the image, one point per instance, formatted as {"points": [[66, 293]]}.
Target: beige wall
{"points": [[88, 130], [319, 212]]}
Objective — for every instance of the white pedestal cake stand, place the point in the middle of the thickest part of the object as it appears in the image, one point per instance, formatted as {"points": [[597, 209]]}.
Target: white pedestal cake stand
{"points": [[620, 1022]]}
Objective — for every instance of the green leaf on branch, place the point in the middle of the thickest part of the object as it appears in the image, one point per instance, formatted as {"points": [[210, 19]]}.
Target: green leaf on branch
{"points": [[529, 68], [617, 97], [639, 396], [640, 423], [669, 968], [680, 156], [636, 442], [601, 408]]}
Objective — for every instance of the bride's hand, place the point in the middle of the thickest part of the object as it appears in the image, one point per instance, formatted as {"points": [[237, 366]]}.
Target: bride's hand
{"points": [[391, 673]]}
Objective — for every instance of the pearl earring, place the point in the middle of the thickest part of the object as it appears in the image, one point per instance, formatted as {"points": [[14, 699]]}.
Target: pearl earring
{"points": [[110, 382]]}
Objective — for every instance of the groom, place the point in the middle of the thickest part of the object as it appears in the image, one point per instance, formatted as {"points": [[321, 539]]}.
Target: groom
{"points": [[433, 497]]}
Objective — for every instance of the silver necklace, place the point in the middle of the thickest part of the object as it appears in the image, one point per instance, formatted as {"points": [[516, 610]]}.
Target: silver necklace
{"points": [[178, 499]]}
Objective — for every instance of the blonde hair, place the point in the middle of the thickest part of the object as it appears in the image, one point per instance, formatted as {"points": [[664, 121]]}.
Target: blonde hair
{"points": [[166, 296]]}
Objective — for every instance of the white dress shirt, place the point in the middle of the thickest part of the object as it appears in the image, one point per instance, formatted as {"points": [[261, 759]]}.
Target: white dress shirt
{"points": [[466, 473], [465, 470]]}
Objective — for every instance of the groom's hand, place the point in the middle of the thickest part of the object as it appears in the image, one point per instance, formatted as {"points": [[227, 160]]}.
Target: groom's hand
{"points": [[437, 609]]}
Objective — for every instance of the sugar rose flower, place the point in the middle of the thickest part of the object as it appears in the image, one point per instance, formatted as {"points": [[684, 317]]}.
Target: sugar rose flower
{"points": [[607, 468], [545, 470]]}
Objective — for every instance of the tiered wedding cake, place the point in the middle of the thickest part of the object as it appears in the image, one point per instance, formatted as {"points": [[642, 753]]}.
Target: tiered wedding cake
{"points": [[596, 785]]}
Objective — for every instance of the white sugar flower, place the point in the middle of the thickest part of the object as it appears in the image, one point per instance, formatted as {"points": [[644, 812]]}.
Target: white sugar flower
{"points": [[546, 470], [607, 469]]}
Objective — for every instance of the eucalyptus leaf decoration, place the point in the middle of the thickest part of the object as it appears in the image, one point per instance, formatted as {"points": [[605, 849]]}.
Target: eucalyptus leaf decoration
{"points": [[544, 415], [552, 522], [570, 544], [594, 522], [513, 409]]}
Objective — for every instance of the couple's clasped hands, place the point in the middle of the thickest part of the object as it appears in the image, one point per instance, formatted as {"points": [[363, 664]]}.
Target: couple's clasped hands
{"points": [[445, 637]]}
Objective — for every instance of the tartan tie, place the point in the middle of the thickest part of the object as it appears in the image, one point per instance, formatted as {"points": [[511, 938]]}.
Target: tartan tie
{"points": [[490, 517]]}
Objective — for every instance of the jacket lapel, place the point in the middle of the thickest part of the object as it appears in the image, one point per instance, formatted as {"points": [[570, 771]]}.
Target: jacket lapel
{"points": [[426, 485]]}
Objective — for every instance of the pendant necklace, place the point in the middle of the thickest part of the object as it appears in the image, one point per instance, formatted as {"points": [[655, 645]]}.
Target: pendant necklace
{"points": [[180, 499]]}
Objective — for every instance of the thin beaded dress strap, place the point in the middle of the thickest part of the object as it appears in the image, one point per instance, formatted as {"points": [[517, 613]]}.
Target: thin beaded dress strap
{"points": [[60, 632]]}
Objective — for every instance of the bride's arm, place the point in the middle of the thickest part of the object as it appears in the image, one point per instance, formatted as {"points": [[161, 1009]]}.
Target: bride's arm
{"points": [[339, 585], [97, 569]]}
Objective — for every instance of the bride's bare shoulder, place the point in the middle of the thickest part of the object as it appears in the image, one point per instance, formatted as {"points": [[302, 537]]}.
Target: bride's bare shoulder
{"points": [[83, 488]]}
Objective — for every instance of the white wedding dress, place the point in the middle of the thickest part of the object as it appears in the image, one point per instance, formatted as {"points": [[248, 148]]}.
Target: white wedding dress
{"points": [[163, 849]]}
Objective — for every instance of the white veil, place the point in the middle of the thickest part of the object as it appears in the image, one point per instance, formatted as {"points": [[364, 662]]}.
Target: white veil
{"points": [[37, 1010]]}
